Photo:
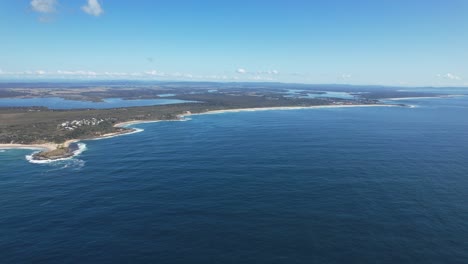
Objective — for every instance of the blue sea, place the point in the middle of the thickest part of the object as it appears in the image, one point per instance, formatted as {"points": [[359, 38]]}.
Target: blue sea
{"points": [[342, 185]]}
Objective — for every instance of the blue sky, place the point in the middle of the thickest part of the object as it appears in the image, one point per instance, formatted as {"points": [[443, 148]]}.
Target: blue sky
{"points": [[407, 43]]}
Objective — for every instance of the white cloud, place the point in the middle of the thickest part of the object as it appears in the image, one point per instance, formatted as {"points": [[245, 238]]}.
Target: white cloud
{"points": [[148, 75], [345, 76], [273, 72], [254, 73], [116, 74], [449, 76], [93, 7], [260, 78], [76, 73], [298, 74], [66, 72], [155, 73], [44, 6]]}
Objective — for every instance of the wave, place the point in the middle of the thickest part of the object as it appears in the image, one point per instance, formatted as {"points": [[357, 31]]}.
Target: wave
{"points": [[72, 164], [81, 148], [136, 130], [2, 150]]}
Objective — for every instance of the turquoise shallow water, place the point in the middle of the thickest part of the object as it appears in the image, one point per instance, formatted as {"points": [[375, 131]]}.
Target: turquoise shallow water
{"points": [[354, 185]]}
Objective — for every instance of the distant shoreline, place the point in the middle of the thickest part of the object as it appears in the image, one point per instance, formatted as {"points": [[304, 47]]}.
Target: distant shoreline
{"points": [[427, 97], [255, 109], [47, 147]]}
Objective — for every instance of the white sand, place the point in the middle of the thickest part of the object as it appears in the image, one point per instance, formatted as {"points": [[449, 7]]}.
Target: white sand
{"points": [[52, 146], [128, 123], [46, 146], [287, 108]]}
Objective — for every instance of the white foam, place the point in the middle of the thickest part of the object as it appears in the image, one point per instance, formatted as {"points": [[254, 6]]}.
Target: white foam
{"points": [[183, 119], [136, 130], [81, 148], [73, 164]]}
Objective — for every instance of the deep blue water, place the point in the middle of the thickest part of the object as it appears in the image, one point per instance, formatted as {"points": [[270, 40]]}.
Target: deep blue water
{"points": [[60, 103], [354, 185]]}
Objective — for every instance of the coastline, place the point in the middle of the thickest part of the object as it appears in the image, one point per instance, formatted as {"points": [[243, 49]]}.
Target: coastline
{"points": [[427, 97], [254, 109], [45, 146], [48, 147], [126, 124]]}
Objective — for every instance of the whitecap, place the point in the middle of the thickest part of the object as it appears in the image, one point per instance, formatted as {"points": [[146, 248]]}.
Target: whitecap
{"points": [[135, 130], [81, 148], [72, 164], [183, 119]]}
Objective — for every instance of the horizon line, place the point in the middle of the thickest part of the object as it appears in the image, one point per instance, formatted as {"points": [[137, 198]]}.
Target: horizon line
{"points": [[98, 81]]}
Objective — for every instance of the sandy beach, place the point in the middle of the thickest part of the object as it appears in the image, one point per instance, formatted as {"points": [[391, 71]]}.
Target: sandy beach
{"points": [[46, 146], [53, 146], [135, 122], [286, 108], [129, 123]]}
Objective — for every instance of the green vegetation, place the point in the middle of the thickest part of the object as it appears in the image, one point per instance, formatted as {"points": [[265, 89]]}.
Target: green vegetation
{"points": [[61, 152], [35, 125]]}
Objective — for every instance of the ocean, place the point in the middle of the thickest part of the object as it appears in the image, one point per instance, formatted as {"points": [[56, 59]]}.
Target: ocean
{"points": [[342, 185]]}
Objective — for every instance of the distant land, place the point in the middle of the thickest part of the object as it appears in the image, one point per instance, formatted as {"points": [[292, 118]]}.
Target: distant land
{"points": [[54, 129]]}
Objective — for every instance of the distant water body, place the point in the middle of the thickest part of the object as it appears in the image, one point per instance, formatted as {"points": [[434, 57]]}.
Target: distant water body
{"points": [[351, 185], [319, 94], [60, 103]]}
